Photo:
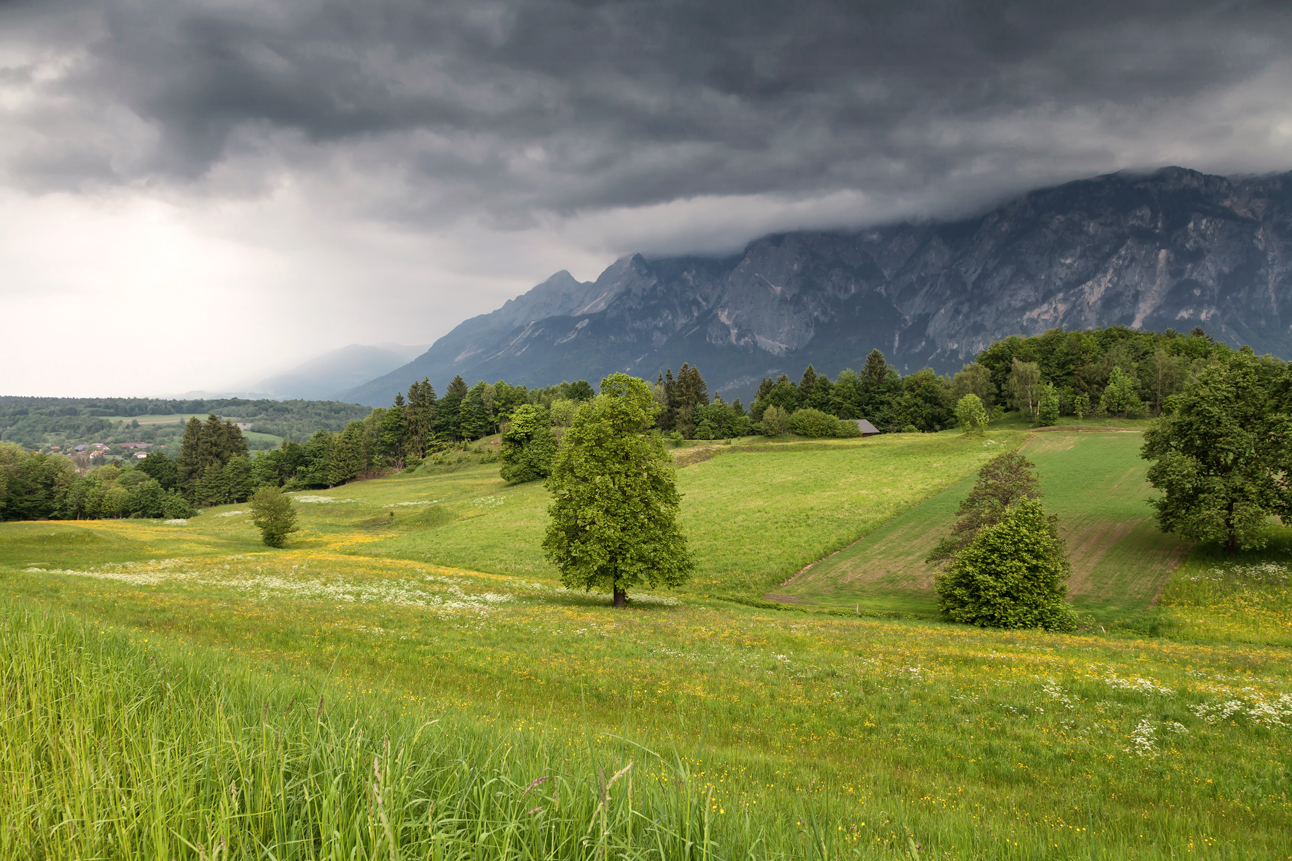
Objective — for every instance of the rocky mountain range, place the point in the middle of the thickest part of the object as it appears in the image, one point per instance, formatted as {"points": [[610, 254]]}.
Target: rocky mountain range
{"points": [[1170, 249]]}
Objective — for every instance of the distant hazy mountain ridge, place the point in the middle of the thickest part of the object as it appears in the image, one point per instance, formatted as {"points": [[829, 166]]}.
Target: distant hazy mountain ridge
{"points": [[1175, 248], [326, 376]]}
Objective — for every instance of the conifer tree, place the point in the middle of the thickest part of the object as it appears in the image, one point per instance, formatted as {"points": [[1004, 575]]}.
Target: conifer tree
{"points": [[211, 488], [475, 417], [419, 416], [875, 371], [807, 386], [693, 391], [390, 446], [447, 425], [667, 418], [347, 455], [317, 469], [880, 387], [237, 479], [187, 463]]}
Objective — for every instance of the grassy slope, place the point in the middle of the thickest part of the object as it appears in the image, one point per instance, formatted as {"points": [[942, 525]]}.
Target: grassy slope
{"points": [[981, 743], [753, 517], [1094, 482], [960, 732]]}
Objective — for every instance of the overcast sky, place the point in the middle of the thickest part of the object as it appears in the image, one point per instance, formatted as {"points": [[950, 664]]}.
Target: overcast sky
{"points": [[197, 194]]}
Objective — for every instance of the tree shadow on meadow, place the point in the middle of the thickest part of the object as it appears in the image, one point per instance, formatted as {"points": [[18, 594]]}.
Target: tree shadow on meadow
{"points": [[639, 603]]}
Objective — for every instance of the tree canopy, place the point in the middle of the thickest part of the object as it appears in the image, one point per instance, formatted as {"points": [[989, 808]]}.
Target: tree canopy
{"points": [[614, 500], [528, 445], [1013, 574], [1003, 481], [274, 515], [1221, 459]]}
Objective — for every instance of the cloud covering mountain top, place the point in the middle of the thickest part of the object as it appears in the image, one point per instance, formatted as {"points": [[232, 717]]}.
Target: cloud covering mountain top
{"points": [[440, 157]]}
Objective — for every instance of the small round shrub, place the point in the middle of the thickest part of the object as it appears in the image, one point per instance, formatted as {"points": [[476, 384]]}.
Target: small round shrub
{"points": [[274, 515], [813, 423], [775, 421], [1012, 575]]}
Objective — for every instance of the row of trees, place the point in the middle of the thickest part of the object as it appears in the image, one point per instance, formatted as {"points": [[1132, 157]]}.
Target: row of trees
{"points": [[36, 486], [1144, 369], [1220, 452], [34, 423], [1112, 369]]}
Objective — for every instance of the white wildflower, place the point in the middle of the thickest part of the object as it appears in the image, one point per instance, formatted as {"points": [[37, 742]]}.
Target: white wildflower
{"points": [[1142, 739]]}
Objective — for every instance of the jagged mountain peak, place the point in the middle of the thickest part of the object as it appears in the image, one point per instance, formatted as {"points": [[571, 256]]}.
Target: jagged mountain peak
{"points": [[1168, 248]]}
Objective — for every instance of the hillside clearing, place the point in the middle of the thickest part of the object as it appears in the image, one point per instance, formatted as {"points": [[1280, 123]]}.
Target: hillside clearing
{"points": [[1094, 482], [754, 515]]}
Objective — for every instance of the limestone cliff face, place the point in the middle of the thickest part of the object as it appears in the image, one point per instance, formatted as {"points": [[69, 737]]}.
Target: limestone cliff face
{"points": [[1174, 248]]}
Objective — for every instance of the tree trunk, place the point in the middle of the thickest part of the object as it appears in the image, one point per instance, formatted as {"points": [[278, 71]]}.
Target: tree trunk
{"points": [[1231, 545], [621, 597]]}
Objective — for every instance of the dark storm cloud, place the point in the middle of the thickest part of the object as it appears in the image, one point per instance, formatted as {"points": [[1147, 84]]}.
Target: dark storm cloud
{"points": [[509, 108]]}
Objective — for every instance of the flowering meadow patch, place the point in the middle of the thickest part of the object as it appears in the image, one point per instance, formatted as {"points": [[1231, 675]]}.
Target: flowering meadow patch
{"points": [[796, 729], [1234, 601]]}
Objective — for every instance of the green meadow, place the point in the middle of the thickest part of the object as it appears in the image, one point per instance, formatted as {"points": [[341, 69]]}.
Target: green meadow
{"points": [[754, 514], [178, 420], [1094, 482], [408, 679]]}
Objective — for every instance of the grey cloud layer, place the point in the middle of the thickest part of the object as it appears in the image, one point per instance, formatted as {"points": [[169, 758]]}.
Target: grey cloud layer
{"points": [[502, 110]]}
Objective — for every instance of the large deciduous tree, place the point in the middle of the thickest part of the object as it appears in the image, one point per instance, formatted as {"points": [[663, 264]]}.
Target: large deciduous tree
{"points": [[1024, 387], [614, 507], [1222, 458], [974, 379]]}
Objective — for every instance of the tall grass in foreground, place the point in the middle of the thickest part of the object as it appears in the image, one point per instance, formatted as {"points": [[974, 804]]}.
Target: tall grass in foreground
{"points": [[110, 749]]}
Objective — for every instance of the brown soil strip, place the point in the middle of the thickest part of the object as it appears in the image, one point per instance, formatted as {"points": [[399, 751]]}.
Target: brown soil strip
{"points": [[691, 456], [1088, 543]]}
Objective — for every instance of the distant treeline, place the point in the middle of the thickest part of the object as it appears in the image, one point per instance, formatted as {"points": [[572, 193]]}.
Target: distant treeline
{"points": [[1078, 371], [1111, 371], [37, 422], [212, 468]]}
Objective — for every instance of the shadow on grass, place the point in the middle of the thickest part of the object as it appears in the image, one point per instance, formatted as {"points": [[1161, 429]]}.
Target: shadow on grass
{"points": [[559, 597]]}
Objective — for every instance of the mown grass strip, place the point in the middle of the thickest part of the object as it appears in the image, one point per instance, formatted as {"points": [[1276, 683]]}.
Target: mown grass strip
{"points": [[1094, 482]]}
